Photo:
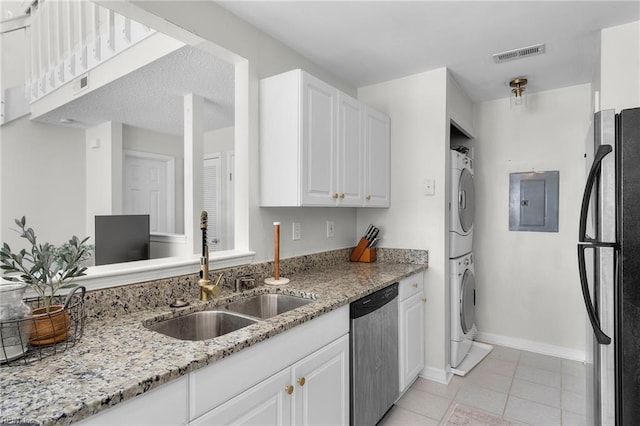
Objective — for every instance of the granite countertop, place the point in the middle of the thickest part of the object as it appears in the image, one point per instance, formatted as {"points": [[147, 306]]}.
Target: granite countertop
{"points": [[119, 358]]}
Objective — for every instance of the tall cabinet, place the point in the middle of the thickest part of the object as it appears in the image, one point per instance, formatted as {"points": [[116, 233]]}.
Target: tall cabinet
{"points": [[319, 146], [411, 303]]}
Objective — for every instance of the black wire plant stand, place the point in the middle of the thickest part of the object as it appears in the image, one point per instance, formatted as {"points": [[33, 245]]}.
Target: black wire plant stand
{"points": [[22, 344]]}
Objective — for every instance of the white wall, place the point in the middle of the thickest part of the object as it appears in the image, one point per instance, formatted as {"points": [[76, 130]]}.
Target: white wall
{"points": [[103, 172], [620, 67], [220, 140], [459, 107], [13, 59], [419, 150], [36, 159], [528, 291]]}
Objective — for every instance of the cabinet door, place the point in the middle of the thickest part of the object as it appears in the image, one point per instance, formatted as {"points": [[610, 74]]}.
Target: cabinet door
{"points": [[267, 403], [318, 142], [411, 335], [350, 150], [377, 139], [322, 386]]}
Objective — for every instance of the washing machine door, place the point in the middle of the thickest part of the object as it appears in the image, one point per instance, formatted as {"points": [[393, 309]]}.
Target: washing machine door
{"points": [[466, 200], [467, 301]]}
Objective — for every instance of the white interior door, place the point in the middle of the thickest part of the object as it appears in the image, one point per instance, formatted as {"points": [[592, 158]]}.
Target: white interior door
{"points": [[148, 188], [212, 197]]}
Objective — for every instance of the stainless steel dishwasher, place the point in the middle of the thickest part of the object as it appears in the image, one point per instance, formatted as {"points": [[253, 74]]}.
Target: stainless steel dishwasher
{"points": [[374, 355]]}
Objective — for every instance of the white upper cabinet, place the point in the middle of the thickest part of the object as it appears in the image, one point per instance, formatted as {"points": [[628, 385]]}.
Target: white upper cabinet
{"points": [[377, 139], [313, 149], [350, 150], [318, 136]]}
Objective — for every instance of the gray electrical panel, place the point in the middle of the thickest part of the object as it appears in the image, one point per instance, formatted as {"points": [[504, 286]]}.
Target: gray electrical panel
{"points": [[533, 201]]}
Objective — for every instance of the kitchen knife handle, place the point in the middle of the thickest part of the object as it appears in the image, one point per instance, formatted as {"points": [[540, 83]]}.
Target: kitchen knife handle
{"points": [[369, 229]]}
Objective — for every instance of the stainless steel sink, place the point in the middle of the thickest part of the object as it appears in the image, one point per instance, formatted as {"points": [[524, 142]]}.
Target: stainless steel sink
{"points": [[202, 325], [267, 305]]}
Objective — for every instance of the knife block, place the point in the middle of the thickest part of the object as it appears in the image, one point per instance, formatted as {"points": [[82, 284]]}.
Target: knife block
{"points": [[369, 255]]}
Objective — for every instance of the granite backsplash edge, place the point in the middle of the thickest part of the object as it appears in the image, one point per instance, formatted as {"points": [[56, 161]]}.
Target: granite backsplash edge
{"points": [[122, 300]]}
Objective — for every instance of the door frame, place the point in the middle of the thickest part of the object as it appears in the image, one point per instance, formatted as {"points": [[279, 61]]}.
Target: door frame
{"points": [[170, 167], [220, 233]]}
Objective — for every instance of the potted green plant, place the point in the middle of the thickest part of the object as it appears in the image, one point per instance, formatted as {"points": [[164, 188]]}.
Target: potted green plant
{"points": [[47, 269]]}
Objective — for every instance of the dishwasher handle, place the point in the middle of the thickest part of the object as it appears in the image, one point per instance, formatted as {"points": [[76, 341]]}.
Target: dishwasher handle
{"points": [[374, 301]]}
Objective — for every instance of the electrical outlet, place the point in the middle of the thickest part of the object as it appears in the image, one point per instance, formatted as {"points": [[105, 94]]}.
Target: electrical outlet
{"points": [[330, 233], [429, 186], [296, 231]]}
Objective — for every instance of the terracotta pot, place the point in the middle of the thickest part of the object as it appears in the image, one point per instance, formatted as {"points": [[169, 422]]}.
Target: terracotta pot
{"points": [[48, 328]]}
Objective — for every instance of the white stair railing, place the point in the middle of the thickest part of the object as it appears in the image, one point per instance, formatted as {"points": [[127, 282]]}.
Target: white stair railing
{"points": [[67, 38]]}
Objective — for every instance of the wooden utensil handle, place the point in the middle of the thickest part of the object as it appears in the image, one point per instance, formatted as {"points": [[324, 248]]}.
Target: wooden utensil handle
{"points": [[276, 249]]}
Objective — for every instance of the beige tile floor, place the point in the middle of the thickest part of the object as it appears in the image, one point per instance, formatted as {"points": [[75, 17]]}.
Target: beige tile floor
{"points": [[517, 386]]}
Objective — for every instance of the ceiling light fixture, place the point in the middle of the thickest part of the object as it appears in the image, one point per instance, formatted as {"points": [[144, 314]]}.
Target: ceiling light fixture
{"points": [[519, 97]]}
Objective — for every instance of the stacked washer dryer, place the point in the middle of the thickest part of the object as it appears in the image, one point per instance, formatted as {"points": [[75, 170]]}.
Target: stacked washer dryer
{"points": [[463, 283]]}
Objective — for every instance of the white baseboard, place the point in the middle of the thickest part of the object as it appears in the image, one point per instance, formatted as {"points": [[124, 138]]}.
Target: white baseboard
{"points": [[531, 346], [436, 374]]}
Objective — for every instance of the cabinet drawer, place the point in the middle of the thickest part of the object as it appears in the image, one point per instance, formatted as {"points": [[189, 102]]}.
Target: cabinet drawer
{"points": [[410, 285]]}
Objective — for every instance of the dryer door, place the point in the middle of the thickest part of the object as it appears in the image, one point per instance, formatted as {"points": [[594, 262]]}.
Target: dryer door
{"points": [[466, 200], [467, 301]]}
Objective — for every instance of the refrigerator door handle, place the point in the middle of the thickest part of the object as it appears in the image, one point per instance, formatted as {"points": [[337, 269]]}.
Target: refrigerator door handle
{"points": [[602, 152], [601, 337], [588, 242]]}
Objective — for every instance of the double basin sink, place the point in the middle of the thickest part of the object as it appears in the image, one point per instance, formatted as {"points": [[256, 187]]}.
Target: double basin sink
{"points": [[234, 316]]}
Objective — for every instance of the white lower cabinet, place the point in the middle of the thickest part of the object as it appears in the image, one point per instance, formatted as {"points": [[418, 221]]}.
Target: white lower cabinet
{"points": [[264, 404], [411, 329], [313, 391], [321, 394]]}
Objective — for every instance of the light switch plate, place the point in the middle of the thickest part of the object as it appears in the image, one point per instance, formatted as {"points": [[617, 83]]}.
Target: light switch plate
{"points": [[429, 187], [296, 231]]}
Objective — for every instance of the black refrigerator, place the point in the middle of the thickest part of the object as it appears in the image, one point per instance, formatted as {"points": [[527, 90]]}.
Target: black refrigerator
{"points": [[609, 268]]}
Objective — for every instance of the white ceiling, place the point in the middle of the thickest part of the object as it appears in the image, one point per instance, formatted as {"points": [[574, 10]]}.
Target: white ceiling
{"points": [[367, 42], [152, 96]]}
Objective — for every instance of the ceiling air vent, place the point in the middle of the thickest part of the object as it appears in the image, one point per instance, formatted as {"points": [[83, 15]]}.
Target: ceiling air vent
{"points": [[509, 55]]}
